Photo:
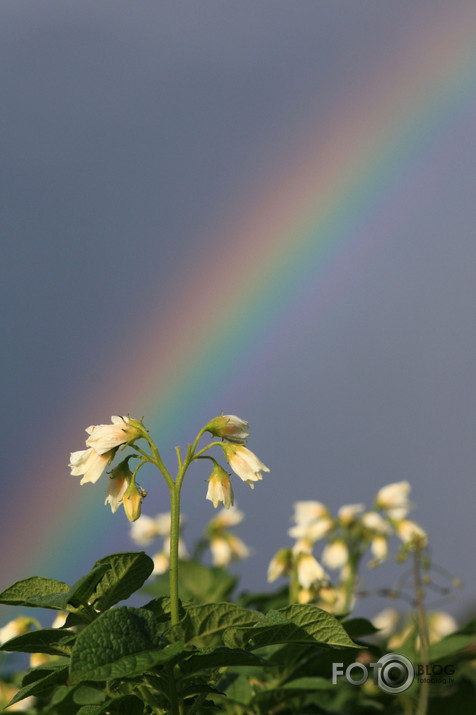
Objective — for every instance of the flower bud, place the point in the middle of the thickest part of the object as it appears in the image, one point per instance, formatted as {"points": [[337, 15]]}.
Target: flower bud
{"points": [[132, 501], [229, 427]]}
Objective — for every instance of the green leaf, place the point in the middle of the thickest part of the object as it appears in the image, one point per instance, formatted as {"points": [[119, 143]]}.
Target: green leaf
{"points": [[264, 601], [204, 625], [296, 624], [197, 583], [86, 695], [82, 590], [53, 641], [358, 627], [36, 592], [219, 658], [455, 644], [42, 685], [125, 574], [121, 643]]}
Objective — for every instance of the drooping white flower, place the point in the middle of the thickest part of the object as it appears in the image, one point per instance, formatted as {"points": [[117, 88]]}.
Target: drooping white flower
{"points": [[440, 624], [348, 513], [121, 432], [379, 547], [89, 463], [226, 518], [115, 490], [144, 530], [280, 564], [244, 463], [411, 533], [309, 570], [386, 621], [229, 427], [161, 563], [15, 628], [335, 554], [306, 512], [373, 521], [394, 499], [220, 490], [227, 548], [312, 531]]}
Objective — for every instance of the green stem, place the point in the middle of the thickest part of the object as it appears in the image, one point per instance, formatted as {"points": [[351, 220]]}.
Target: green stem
{"points": [[174, 543], [349, 586], [293, 585], [424, 693], [212, 444]]}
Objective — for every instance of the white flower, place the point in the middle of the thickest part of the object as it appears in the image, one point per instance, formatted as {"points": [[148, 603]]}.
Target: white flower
{"points": [[227, 547], [312, 531], [122, 431], [373, 521], [15, 628], [161, 563], [335, 554], [60, 619], [220, 490], [306, 512], [226, 518], [379, 547], [386, 621], [348, 513], [144, 530], [89, 463], [411, 533], [115, 489], [229, 427], [440, 624], [394, 499], [244, 463], [280, 564], [309, 570]]}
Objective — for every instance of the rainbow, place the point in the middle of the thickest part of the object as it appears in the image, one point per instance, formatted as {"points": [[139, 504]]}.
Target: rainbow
{"points": [[308, 227]]}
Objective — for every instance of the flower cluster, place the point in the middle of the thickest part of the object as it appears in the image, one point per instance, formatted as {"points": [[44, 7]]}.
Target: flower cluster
{"points": [[348, 536], [242, 461], [103, 443]]}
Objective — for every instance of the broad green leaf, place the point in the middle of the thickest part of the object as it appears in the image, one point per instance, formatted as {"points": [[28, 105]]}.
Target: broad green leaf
{"points": [[293, 624], [197, 583], [125, 575], [124, 705], [204, 625], [161, 609], [264, 601], [358, 627], [81, 591], [57, 677], [36, 592], [219, 658], [86, 695], [455, 644], [121, 643], [53, 641]]}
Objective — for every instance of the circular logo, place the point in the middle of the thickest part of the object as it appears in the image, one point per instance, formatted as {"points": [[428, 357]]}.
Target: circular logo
{"points": [[396, 673]]}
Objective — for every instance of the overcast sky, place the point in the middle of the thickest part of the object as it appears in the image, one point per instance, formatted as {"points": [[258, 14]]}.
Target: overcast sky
{"points": [[130, 132]]}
